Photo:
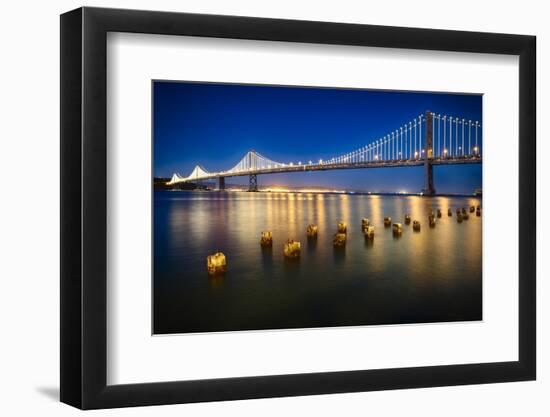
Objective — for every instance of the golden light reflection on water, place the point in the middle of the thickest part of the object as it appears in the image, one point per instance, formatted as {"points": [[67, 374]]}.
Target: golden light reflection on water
{"points": [[241, 217], [375, 207], [310, 208], [320, 218], [345, 209], [388, 278]]}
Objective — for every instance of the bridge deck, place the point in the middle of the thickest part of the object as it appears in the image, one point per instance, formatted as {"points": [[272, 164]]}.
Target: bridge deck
{"points": [[349, 165]]}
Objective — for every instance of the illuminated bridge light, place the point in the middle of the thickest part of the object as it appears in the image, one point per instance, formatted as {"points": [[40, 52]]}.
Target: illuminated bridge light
{"points": [[393, 146]]}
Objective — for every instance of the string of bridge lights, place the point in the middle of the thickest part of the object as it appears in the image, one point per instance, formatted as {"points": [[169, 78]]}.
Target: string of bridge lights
{"points": [[452, 137]]}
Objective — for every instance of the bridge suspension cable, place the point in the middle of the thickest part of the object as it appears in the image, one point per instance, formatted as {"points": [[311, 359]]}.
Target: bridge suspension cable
{"points": [[254, 161], [408, 141], [405, 143]]}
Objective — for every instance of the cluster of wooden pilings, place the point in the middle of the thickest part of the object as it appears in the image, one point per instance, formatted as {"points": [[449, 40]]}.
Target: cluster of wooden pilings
{"points": [[217, 263]]}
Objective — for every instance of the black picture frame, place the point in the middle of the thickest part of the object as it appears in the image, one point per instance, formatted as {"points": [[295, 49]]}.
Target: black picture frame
{"points": [[84, 207]]}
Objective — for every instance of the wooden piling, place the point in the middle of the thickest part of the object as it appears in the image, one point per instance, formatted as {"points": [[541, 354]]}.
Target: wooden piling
{"points": [[216, 264]]}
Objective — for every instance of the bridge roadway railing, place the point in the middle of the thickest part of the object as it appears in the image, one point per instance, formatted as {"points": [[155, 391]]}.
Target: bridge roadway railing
{"points": [[348, 165]]}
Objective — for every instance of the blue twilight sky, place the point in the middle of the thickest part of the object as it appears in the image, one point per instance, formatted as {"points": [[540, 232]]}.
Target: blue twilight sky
{"points": [[214, 125]]}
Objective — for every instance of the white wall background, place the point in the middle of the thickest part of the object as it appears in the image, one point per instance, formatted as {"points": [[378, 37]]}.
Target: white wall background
{"points": [[29, 207]]}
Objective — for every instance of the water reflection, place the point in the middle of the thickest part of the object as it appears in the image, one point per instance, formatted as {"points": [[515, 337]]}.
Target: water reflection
{"points": [[339, 254], [433, 275], [216, 282], [267, 256], [311, 245]]}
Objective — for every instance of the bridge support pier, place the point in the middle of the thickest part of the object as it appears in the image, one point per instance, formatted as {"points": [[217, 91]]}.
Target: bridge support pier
{"points": [[429, 188], [221, 183], [253, 183]]}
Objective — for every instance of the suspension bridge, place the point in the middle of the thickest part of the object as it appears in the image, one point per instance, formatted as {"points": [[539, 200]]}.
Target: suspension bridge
{"points": [[427, 140]]}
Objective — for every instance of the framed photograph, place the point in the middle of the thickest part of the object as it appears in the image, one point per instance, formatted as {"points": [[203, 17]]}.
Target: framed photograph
{"points": [[258, 208]]}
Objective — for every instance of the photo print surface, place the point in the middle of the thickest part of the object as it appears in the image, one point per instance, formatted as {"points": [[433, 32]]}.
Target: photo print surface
{"points": [[284, 207]]}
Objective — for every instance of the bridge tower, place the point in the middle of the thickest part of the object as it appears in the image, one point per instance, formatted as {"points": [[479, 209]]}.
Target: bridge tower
{"points": [[429, 188], [253, 183], [221, 183]]}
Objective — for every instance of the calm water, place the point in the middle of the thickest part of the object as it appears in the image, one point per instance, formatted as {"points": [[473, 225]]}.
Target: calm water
{"points": [[431, 276]]}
